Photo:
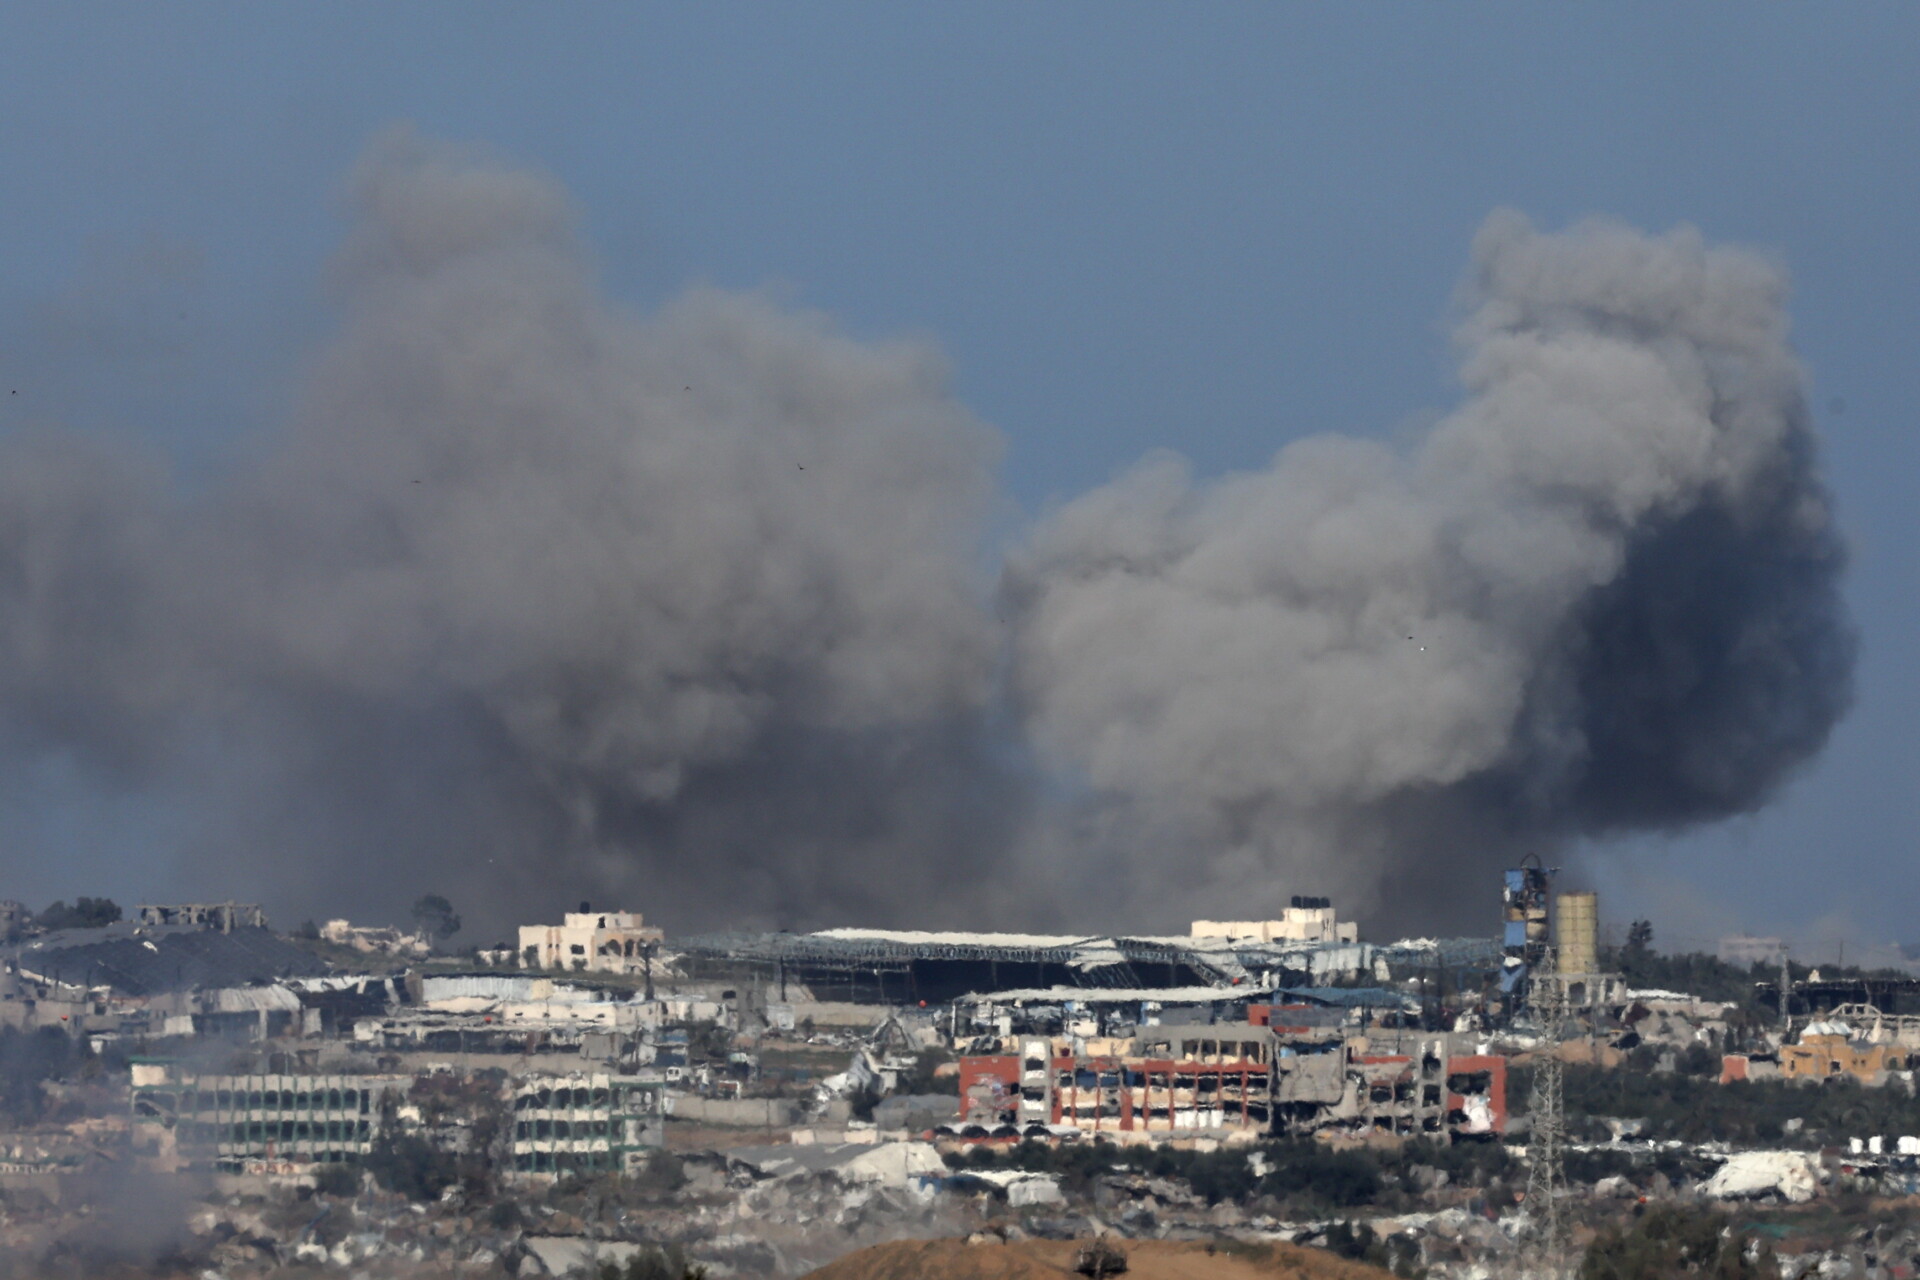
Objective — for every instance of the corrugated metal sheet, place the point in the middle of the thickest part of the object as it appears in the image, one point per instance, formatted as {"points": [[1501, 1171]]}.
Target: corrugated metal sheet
{"points": [[248, 1000], [484, 986]]}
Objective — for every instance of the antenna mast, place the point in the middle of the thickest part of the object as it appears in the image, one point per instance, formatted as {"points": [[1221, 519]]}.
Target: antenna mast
{"points": [[1547, 1136]]}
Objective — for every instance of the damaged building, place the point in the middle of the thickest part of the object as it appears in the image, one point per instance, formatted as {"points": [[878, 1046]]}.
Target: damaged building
{"points": [[606, 941], [241, 1123], [223, 917], [583, 1123], [1359, 1085], [1167, 1081]]}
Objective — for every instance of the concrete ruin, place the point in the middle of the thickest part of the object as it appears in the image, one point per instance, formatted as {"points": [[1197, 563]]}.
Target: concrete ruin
{"points": [[224, 917]]}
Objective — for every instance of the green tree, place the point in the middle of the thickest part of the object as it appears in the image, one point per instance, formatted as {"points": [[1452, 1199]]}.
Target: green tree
{"points": [[434, 916], [85, 913]]}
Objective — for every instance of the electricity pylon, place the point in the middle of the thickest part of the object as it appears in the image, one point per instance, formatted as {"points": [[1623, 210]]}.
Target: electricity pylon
{"points": [[1551, 1245]]}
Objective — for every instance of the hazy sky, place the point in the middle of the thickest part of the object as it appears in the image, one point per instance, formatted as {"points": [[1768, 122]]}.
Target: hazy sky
{"points": [[1214, 228]]}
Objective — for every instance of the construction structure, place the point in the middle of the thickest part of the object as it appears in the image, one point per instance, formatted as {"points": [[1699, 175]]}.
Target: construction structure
{"points": [[1525, 935]]}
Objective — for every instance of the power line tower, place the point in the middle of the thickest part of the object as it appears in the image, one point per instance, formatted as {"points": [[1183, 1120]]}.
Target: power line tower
{"points": [[1552, 1243]]}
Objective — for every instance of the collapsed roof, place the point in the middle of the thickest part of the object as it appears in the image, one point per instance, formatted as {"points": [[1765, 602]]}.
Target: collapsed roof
{"points": [[152, 959]]}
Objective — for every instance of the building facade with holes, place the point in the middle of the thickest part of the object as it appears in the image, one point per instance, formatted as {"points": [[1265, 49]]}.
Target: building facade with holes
{"points": [[586, 1122], [1166, 1082], [230, 1123]]}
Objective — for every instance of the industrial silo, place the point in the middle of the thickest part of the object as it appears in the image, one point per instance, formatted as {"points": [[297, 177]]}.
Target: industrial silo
{"points": [[1577, 920]]}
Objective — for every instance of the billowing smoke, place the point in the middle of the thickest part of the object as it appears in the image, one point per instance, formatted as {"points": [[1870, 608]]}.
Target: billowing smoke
{"points": [[536, 595], [534, 599], [1601, 595]]}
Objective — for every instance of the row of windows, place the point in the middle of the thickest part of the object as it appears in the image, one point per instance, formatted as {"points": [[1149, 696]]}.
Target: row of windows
{"points": [[534, 1130], [564, 1161], [238, 1164], [278, 1131], [560, 1099], [360, 1100], [1202, 1081]]}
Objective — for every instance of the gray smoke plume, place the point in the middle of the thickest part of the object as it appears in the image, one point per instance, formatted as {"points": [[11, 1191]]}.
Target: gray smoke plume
{"points": [[535, 594], [1599, 596], [535, 600]]}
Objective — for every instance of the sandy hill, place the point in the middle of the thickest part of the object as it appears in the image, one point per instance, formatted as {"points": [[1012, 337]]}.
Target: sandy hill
{"points": [[1053, 1260]]}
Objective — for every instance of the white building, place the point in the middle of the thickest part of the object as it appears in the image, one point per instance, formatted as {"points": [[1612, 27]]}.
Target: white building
{"points": [[1307, 920], [608, 940]]}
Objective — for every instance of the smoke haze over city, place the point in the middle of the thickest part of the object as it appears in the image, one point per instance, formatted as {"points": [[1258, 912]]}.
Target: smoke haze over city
{"points": [[858, 470], [539, 595]]}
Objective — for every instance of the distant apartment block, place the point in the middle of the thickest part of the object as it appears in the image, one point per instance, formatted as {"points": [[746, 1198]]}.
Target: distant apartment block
{"points": [[231, 1122], [583, 1123]]}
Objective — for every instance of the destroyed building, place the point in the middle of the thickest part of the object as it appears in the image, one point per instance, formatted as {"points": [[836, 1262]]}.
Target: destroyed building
{"points": [[222, 916], [375, 939], [1361, 1084]]}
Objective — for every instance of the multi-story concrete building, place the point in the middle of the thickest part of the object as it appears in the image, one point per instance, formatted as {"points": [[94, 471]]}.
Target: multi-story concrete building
{"points": [[616, 941], [1220, 1080], [1165, 1082], [582, 1122], [231, 1122]]}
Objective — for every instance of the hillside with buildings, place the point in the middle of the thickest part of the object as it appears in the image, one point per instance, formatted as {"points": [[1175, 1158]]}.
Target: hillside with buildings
{"points": [[596, 1093]]}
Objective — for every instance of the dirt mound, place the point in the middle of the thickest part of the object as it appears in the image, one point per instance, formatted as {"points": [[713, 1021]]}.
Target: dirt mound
{"points": [[1053, 1260]]}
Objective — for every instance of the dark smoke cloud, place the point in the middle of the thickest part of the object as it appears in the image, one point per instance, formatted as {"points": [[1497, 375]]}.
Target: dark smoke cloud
{"points": [[1601, 595], [533, 599]]}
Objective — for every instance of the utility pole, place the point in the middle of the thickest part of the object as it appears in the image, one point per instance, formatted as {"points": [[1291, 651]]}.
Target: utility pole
{"points": [[1547, 1134], [1786, 991]]}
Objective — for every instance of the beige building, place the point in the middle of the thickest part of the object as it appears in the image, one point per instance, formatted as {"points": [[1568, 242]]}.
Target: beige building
{"points": [[1307, 920], [614, 941]]}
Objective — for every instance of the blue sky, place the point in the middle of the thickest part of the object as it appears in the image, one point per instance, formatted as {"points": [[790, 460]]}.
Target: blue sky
{"points": [[1214, 228]]}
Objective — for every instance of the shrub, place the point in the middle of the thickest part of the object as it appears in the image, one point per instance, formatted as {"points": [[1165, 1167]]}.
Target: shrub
{"points": [[1675, 1241], [652, 1263]]}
